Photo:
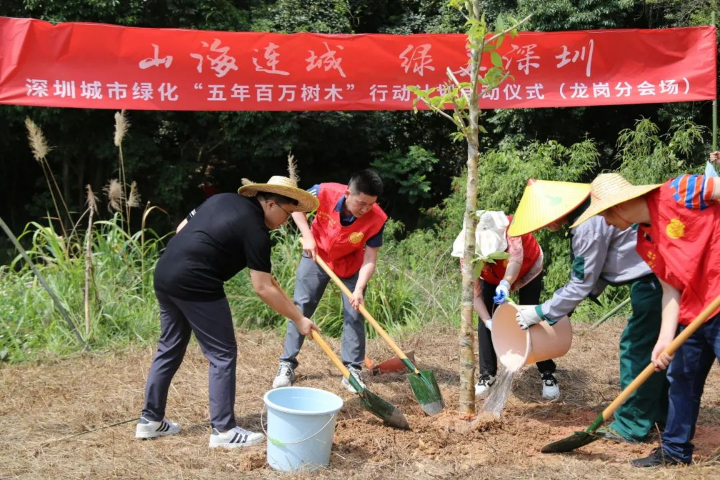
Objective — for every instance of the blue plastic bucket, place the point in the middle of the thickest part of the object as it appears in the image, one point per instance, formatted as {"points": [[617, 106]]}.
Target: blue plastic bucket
{"points": [[300, 427]]}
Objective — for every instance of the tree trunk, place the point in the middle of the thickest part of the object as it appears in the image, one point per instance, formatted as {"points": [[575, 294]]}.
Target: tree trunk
{"points": [[467, 332]]}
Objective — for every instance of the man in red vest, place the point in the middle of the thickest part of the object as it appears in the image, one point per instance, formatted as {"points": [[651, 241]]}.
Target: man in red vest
{"points": [[346, 233], [679, 238]]}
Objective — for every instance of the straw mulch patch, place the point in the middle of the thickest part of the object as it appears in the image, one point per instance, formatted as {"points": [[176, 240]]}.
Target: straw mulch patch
{"points": [[41, 405]]}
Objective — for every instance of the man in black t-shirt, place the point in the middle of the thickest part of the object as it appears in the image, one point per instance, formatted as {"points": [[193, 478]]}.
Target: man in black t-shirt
{"points": [[223, 236]]}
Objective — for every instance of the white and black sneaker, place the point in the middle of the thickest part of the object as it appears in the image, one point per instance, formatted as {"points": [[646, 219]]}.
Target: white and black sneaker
{"points": [[235, 438], [355, 372], [149, 429], [285, 375], [483, 385], [550, 389]]}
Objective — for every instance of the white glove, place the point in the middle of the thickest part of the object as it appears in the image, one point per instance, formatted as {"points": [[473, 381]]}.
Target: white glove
{"points": [[502, 292], [488, 324], [527, 318]]}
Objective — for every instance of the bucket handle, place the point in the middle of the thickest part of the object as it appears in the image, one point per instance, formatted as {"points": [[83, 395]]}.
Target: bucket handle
{"points": [[280, 443]]}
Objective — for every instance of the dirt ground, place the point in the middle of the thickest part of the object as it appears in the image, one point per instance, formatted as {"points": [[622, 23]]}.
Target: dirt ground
{"points": [[42, 405]]}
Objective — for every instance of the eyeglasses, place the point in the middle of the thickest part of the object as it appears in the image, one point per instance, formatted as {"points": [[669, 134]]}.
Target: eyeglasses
{"points": [[289, 214]]}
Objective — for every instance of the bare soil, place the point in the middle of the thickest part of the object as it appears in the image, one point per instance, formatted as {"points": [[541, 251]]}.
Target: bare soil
{"points": [[43, 408]]}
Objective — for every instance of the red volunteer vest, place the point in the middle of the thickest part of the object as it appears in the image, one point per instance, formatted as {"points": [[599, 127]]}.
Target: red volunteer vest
{"points": [[343, 248], [493, 273], [682, 247]]}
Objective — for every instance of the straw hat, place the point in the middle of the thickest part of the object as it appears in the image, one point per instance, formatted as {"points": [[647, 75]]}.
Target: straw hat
{"points": [[608, 190], [307, 202], [285, 186], [544, 202]]}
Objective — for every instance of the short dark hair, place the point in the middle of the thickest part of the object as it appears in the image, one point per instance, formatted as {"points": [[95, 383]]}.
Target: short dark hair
{"points": [[367, 182], [277, 198]]}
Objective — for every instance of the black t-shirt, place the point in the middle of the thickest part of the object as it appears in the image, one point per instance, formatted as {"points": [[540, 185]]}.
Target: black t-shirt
{"points": [[226, 234]]}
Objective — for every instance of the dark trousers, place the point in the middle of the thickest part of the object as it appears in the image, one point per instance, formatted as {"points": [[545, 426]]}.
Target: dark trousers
{"points": [[529, 295], [212, 324], [648, 406], [687, 375]]}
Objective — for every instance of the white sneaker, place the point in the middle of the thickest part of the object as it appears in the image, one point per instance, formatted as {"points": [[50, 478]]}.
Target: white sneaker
{"points": [[355, 372], [149, 429], [285, 376], [483, 385], [550, 389], [234, 438]]}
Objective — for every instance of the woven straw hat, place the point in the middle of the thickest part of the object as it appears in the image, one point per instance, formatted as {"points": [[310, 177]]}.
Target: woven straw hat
{"points": [[608, 190], [307, 202], [285, 186], [544, 202]]}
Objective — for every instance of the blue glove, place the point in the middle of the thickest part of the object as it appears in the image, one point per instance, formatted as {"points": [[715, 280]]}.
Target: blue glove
{"points": [[502, 292]]}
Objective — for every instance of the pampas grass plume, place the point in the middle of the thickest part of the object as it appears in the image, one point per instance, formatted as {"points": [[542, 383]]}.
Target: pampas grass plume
{"points": [[92, 200], [292, 169], [121, 127], [115, 194], [134, 197], [38, 144]]}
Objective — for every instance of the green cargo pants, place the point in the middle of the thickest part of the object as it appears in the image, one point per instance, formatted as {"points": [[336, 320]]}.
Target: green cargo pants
{"points": [[636, 418]]}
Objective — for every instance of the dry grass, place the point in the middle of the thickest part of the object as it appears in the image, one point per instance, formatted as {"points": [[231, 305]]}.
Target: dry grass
{"points": [[41, 405]]}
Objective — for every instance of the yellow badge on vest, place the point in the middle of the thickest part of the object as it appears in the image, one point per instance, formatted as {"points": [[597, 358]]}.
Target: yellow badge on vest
{"points": [[675, 229], [356, 237]]}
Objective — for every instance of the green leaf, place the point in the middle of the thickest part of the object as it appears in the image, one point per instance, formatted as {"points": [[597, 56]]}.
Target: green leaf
{"points": [[496, 59]]}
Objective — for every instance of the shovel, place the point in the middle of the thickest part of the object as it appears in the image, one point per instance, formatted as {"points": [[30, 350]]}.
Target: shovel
{"points": [[422, 382], [374, 404], [578, 439]]}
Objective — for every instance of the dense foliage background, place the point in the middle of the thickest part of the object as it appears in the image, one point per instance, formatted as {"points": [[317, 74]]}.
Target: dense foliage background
{"points": [[169, 154]]}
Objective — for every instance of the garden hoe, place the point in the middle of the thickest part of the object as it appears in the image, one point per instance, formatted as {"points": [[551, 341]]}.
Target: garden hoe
{"points": [[422, 382], [374, 404], [578, 439]]}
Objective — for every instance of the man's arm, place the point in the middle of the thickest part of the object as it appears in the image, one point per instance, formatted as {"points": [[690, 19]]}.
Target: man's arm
{"points": [[668, 328], [278, 301], [366, 272], [308, 241], [590, 249], [182, 224]]}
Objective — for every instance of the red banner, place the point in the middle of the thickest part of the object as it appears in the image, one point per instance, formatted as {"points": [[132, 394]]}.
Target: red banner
{"points": [[87, 65]]}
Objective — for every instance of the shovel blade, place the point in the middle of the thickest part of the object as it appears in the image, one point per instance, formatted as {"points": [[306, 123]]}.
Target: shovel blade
{"points": [[568, 444], [384, 410], [427, 392]]}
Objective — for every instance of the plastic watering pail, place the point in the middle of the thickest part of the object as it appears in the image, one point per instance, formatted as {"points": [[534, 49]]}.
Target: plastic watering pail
{"points": [[300, 427], [515, 347]]}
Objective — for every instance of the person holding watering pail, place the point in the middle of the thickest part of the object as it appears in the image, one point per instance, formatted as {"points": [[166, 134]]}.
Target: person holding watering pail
{"points": [[520, 272], [602, 255], [226, 234], [679, 238], [346, 233]]}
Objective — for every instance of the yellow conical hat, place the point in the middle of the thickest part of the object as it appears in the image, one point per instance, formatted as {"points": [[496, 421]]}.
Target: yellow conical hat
{"points": [[543, 202]]}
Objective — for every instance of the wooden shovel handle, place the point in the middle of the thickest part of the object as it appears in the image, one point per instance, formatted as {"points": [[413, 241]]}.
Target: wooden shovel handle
{"points": [[316, 336], [364, 312], [669, 350]]}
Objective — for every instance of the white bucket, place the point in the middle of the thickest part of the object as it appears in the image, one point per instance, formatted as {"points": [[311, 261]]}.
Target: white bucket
{"points": [[300, 427]]}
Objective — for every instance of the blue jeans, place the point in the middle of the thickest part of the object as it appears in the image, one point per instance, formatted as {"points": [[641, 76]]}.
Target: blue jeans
{"points": [[687, 374]]}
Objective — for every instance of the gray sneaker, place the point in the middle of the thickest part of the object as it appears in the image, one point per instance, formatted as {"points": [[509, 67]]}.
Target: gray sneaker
{"points": [[285, 376], [355, 372]]}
